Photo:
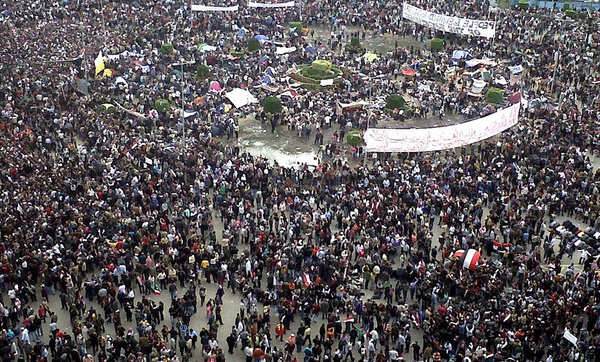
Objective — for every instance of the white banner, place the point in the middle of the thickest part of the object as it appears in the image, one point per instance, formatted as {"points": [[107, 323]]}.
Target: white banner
{"points": [[214, 8], [441, 138], [570, 337], [288, 4], [449, 24]]}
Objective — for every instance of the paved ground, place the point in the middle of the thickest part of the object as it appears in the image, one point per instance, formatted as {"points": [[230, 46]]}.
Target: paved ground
{"points": [[230, 310]]}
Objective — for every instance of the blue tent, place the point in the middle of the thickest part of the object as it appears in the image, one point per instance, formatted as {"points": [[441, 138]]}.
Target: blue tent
{"points": [[267, 79], [261, 38], [263, 59], [311, 50], [460, 54], [270, 71], [241, 32]]}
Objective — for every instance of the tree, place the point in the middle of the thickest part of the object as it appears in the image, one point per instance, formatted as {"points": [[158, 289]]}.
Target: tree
{"points": [[253, 45], [166, 48], [297, 27], [494, 95], [202, 71], [437, 45], [354, 138], [395, 101], [162, 105], [272, 105]]}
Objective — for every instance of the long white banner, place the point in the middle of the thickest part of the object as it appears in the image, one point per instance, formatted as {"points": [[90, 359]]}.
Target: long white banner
{"points": [[449, 24], [441, 138], [214, 8], [288, 4]]}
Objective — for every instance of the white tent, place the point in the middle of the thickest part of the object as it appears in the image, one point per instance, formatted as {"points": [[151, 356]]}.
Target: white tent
{"points": [[240, 97]]}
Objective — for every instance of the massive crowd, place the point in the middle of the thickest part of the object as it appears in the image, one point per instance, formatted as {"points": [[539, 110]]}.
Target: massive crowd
{"points": [[104, 212]]}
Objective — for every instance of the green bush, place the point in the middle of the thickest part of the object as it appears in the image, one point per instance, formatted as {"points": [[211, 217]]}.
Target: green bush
{"points": [[395, 101], [311, 87], [202, 71], [253, 45], [523, 4], [162, 105], [570, 13], [354, 137], [272, 105], [321, 65], [355, 42], [437, 45], [166, 48], [494, 95]]}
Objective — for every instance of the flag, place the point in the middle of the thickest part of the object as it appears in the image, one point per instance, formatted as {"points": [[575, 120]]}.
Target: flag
{"points": [[306, 279], [99, 63]]}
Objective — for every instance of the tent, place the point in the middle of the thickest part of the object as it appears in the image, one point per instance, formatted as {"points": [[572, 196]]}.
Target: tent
{"points": [[370, 57], [285, 50], [478, 86], [261, 38], [241, 32], [409, 72], [270, 71], [214, 86], [459, 54], [516, 69], [311, 49], [240, 97], [205, 48]]}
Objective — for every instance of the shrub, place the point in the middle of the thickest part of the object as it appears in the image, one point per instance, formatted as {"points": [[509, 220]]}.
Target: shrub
{"points": [[253, 45], [162, 105], [354, 137], [437, 45], [202, 71], [395, 101], [355, 42], [494, 95], [272, 105], [166, 48]]}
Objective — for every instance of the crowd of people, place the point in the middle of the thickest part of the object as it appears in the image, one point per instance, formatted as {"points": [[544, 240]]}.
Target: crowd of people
{"points": [[125, 224]]}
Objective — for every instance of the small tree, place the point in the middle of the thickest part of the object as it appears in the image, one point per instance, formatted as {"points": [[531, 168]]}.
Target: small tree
{"points": [[437, 45], [395, 101], [355, 42], [273, 105], [166, 48], [253, 45], [162, 105], [296, 26], [202, 71], [494, 95], [354, 138]]}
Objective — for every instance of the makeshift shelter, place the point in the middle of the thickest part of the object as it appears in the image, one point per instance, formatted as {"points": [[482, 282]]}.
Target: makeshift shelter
{"points": [[409, 72], [240, 97], [342, 108], [478, 86], [215, 86], [370, 57], [460, 55]]}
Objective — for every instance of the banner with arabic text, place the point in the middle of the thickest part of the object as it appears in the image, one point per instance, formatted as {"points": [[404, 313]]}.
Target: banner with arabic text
{"points": [[449, 24], [253, 4], [214, 8], [441, 138]]}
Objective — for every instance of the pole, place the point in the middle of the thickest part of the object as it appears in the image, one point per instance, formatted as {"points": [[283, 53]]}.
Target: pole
{"points": [[556, 57], [182, 103]]}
